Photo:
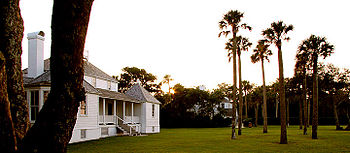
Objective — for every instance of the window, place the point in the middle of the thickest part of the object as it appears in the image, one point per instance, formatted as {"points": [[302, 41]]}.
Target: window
{"points": [[94, 82], [83, 133], [46, 94], [152, 110], [34, 105], [109, 85], [152, 128], [83, 108]]}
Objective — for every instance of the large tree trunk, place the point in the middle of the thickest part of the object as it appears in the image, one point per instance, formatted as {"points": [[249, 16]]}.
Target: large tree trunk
{"points": [[347, 114], [337, 125], [314, 98], [53, 128], [283, 139], [11, 31], [305, 104], [240, 96], [264, 97], [7, 131]]}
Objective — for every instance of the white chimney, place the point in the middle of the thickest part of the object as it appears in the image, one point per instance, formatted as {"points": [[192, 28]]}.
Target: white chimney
{"points": [[35, 53]]}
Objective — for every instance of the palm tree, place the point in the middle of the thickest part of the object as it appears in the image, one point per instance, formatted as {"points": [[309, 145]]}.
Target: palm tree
{"points": [[166, 79], [275, 34], [231, 24], [315, 46], [247, 87], [260, 54], [242, 45], [301, 67]]}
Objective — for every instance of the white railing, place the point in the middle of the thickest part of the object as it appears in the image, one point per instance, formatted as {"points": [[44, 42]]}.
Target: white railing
{"points": [[108, 119], [136, 127], [134, 119]]}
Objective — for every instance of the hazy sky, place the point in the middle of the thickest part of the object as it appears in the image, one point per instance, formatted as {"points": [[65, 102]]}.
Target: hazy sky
{"points": [[180, 37]]}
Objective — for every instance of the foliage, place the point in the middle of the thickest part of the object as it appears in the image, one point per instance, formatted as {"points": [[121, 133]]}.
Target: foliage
{"points": [[131, 75]]}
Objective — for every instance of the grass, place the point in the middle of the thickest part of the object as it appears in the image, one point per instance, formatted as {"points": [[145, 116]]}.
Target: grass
{"points": [[218, 140]]}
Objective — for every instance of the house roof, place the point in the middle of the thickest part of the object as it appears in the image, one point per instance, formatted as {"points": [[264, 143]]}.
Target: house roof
{"points": [[117, 96], [89, 70], [140, 93]]}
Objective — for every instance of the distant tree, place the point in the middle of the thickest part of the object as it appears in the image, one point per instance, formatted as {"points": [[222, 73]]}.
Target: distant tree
{"points": [[275, 34], [131, 75], [166, 79], [261, 53], [231, 24], [247, 88], [301, 68], [315, 46]]}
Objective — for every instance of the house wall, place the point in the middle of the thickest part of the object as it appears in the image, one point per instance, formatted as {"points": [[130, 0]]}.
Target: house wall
{"points": [[150, 124], [101, 83], [87, 122]]}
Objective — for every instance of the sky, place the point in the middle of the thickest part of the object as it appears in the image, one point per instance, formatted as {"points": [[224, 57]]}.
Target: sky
{"points": [[180, 37]]}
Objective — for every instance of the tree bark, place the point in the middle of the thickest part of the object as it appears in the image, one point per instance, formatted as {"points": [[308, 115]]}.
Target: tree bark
{"points": [[7, 131], [283, 138], [11, 33], [264, 97], [315, 98], [53, 128], [347, 115], [308, 112], [305, 104], [233, 136], [240, 96], [337, 125]]}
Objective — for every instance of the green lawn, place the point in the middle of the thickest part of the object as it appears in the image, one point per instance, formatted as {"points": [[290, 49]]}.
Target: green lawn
{"points": [[218, 140]]}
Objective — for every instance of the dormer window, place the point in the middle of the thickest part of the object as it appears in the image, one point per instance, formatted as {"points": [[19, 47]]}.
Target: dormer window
{"points": [[93, 82], [109, 85]]}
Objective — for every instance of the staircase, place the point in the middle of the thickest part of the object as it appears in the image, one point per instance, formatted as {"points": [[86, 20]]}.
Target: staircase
{"points": [[128, 129]]}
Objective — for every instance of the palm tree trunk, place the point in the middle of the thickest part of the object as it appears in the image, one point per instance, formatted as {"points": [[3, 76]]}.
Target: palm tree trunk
{"points": [[308, 112], [233, 136], [315, 99], [256, 114], [283, 138], [305, 104], [264, 97], [277, 106], [246, 105], [300, 113], [347, 115], [287, 101], [337, 125], [240, 96]]}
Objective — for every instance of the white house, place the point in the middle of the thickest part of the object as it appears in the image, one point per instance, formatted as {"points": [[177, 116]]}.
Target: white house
{"points": [[105, 112]]}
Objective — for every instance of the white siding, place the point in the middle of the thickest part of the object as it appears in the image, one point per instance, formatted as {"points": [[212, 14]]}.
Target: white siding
{"points": [[88, 122], [101, 84], [88, 79], [114, 86], [150, 124]]}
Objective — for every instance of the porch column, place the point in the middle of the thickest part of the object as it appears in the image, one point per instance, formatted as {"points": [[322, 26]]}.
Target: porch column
{"points": [[124, 110], [132, 113], [115, 111], [104, 110]]}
